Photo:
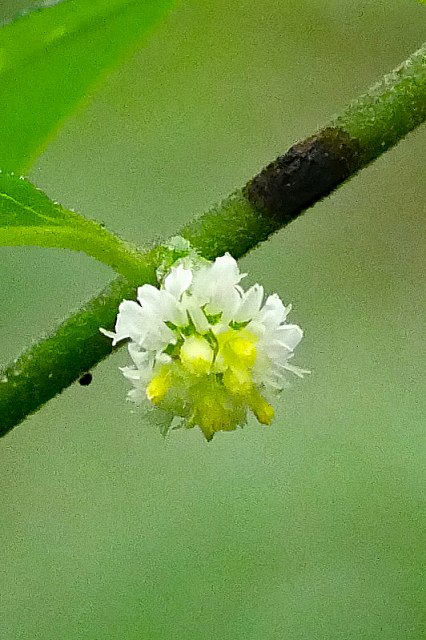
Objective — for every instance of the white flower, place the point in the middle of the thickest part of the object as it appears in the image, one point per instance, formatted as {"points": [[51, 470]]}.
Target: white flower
{"points": [[203, 349]]}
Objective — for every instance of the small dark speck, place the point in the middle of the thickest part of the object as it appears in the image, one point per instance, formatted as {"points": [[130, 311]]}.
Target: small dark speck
{"points": [[86, 379]]}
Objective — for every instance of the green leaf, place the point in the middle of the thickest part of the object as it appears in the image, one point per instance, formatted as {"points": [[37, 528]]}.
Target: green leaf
{"points": [[29, 217], [24, 206], [51, 57]]}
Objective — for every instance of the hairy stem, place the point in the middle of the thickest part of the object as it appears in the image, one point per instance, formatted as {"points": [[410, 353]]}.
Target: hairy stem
{"points": [[88, 237], [309, 170]]}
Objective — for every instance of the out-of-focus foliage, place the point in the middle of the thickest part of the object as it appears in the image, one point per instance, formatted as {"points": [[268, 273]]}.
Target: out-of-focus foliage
{"points": [[50, 58]]}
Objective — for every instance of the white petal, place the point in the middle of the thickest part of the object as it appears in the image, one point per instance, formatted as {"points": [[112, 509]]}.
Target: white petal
{"points": [[215, 284], [130, 373], [108, 334], [296, 370], [225, 300], [142, 359], [276, 350], [161, 304], [158, 337], [219, 328], [137, 395], [273, 313], [203, 285], [250, 304], [289, 334], [225, 271], [171, 310], [261, 367], [149, 296], [198, 318], [178, 281], [258, 328], [130, 322], [177, 315]]}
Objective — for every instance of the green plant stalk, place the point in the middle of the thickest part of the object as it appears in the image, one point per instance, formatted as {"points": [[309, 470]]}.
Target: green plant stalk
{"points": [[309, 171], [390, 109], [88, 237]]}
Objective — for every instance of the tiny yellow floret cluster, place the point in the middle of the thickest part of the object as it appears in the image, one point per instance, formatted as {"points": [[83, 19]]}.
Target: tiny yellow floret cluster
{"points": [[205, 351]]}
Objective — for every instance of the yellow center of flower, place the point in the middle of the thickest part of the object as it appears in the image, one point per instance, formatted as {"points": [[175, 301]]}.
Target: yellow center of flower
{"points": [[238, 381], [215, 409], [158, 386], [238, 348], [196, 355], [212, 387]]}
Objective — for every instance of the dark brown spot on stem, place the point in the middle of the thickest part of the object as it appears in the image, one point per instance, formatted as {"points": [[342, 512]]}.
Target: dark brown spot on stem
{"points": [[309, 170]]}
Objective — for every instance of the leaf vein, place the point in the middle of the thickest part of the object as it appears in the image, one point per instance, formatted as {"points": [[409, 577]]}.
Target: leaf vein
{"points": [[33, 211]]}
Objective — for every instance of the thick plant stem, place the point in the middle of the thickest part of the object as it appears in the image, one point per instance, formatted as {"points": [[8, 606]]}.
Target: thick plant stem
{"points": [[310, 170], [57, 361], [314, 167]]}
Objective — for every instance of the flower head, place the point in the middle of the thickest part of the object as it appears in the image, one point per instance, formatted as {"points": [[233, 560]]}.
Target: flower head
{"points": [[205, 352]]}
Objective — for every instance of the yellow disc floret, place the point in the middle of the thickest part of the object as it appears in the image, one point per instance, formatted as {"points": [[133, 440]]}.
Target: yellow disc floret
{"points": [[263, 411], [244, 351], [158, 386], [238, 348], [211, 387], [238, 381], [215, 409], [196, 355]]}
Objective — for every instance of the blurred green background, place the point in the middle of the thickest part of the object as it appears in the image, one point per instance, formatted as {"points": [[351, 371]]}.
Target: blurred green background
{"points": [[312, 528]]}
